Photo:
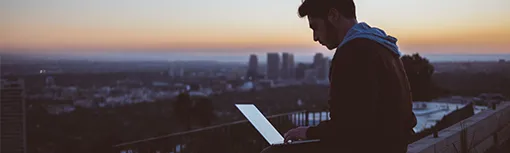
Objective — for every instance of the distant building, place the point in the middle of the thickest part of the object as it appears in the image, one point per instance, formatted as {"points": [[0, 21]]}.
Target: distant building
{"points": [[253, 66], [317, 60], [247, 86], [129, 83], [171, 72], [159, 84], [176, 72], [236, 74], [50, 82], [300, 71], [60, 108], [194, 87], [273, 66], [265, 84], [321, 64], [492, 96], [292, 67], [69, 93], [13, 116], [324, 70], [180, 73], [284, 73], [84, 103], [287, 71], [310, 76]]}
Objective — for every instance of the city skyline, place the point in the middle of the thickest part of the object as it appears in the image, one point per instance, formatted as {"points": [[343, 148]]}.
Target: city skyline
{"points": [[84, 27]]}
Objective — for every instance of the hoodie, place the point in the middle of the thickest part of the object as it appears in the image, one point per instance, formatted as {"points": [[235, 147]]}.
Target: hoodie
{"points": [[370, 98], [363, 30]]}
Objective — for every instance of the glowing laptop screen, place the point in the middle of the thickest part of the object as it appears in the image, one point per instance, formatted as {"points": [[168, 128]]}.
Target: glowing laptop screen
{"points": [[260, 123]]}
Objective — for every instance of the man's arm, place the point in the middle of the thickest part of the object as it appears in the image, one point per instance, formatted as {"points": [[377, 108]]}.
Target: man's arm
{"points": [[353, 93]]}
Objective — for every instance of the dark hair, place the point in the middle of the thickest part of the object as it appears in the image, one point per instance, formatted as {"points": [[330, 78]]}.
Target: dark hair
{"points": [[320, 8]]}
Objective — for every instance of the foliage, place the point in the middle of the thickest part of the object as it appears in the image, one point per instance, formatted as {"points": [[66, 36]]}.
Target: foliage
{"points": [[419, 72], [203, 111], [182, 109], [473, 84], [96, 130]]}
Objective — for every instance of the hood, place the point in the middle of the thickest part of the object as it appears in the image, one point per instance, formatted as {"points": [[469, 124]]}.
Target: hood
{"points": [[363, 30]]}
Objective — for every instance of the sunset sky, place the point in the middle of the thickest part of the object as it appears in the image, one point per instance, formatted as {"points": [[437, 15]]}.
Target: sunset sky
{"points": [[425, 26]]}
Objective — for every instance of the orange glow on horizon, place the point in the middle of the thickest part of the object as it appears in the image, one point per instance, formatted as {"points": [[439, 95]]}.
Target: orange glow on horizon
{"points": [[124, 24], [74, 37]]}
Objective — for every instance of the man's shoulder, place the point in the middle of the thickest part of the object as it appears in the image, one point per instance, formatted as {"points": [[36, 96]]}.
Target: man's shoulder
{"points": [[360, 44], [359, 47], [364, 50]]}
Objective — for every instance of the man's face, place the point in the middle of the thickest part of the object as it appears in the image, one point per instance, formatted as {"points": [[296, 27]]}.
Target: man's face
{"points": [[324, 32]]}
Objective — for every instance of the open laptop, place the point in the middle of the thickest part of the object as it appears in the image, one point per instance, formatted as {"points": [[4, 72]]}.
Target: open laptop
{"points": [[257, 119]]}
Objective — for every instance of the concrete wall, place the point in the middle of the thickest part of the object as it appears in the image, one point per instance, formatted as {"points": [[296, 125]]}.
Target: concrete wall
{"points": [[475, 134]]}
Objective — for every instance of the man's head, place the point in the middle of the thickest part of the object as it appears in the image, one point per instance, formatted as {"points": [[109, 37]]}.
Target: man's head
{"points": [[329, 19]]}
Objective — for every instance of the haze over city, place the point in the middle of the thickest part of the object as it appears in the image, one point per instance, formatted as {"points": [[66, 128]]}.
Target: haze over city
{"points": [[155, 28]]}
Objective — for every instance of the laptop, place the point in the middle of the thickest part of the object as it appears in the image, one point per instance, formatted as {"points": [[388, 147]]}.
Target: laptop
{"points": [[263, 126]]}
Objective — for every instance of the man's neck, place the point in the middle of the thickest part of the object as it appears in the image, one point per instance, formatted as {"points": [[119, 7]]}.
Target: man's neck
{"points": [[343, 32], [350, 23]]}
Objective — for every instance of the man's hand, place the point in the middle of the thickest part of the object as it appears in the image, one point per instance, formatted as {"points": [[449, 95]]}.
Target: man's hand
{"points": [[296, 134]]}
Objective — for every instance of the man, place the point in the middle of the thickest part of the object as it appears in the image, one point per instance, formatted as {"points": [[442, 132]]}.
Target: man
{"points": [[370, 96]]}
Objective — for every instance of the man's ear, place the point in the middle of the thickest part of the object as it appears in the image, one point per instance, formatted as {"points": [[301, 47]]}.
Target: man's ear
{"points": [[333, 15]]}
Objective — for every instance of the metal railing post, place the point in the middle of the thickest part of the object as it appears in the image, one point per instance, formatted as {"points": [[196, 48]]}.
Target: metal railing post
{"points": [[300, 119], [307, 118], [434, 131]]}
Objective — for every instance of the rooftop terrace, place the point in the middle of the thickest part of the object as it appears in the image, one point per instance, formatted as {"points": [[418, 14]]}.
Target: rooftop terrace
{"points": [[487, 131]]}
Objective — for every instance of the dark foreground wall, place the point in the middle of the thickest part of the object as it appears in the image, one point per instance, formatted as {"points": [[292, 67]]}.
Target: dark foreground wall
{"points": [[447, 121]]}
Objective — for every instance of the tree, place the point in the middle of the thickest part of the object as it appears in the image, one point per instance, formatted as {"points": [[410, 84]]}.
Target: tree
{"points": [[204, 111], [419, 72], [183, 111]]}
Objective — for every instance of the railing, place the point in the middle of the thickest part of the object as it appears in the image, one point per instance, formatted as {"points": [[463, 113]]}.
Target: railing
{"points": [[479, 133], [236, 137], [445, 122], [483, 132]]}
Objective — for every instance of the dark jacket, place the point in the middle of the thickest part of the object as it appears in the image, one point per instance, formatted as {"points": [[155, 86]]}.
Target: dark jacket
{"points": [[370, 100]]}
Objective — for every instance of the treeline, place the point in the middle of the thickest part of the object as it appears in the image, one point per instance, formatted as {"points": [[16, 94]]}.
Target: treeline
{"points": [[471, 81], [472, 84], [96, 130]]}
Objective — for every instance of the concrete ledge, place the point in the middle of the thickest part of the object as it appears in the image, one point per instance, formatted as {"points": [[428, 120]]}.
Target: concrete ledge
{"points": [[503, 134], [474, 134]]}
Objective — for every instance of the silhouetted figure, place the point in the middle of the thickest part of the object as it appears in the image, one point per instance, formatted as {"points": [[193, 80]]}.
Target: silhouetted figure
{"points": [[182, 109], [370, 98]]}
